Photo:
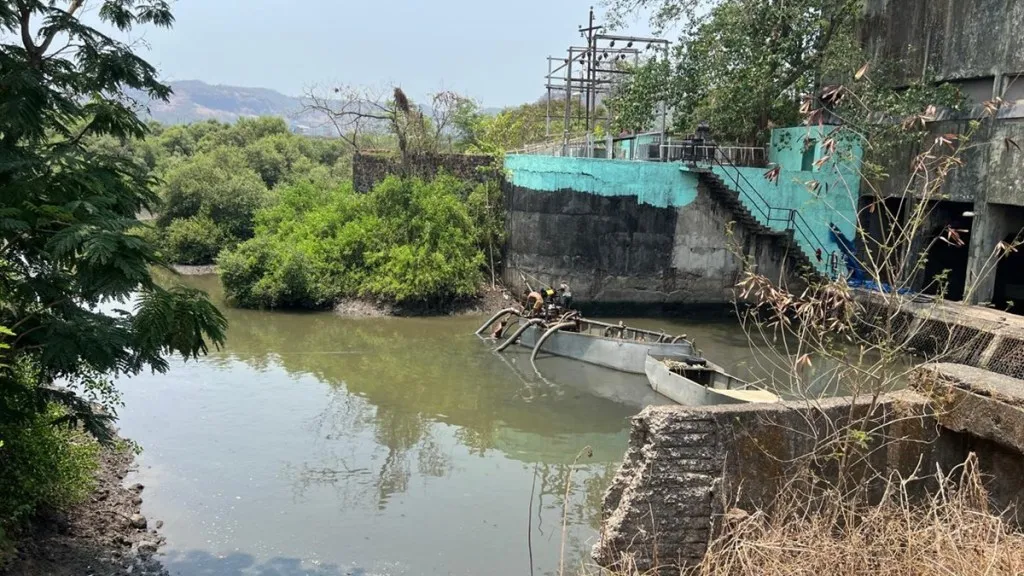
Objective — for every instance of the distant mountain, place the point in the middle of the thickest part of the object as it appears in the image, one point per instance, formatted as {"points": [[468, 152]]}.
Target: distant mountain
{"points": [[195, 101]]}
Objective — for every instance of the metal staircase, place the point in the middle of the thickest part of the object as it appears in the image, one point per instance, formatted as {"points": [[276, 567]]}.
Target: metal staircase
{"points": [[785, 226]]}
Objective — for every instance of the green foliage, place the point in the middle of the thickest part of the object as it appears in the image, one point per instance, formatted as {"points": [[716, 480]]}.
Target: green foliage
{"points": [[73, 186], [195, 240], [42, 465], [217, 186], [745, 64], [514, 127], [222, 173], [406, 241]]}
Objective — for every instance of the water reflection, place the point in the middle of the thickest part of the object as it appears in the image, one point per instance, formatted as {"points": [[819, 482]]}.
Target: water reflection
{"points": [[398, 446]]}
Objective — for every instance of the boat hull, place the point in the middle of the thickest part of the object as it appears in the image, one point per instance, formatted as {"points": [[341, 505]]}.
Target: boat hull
{"points": [[617, 354], [686, 391]]}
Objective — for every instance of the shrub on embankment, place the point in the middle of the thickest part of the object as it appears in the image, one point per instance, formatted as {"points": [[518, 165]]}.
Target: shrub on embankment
{"points": [[407, 241], [42, 466]]}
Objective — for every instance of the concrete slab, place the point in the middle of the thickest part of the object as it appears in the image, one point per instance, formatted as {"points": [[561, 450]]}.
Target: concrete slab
{"points": [[975, 401]]}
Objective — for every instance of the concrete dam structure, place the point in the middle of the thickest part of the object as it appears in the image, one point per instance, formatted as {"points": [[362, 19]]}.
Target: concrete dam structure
{"points": [[664, 235]]}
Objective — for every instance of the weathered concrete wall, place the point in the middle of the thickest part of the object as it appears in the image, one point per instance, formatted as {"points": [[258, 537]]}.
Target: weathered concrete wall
{"points": [[947, 39], [827, 193], [977, 46], [369, 169], [685, 467], [624, 233]]}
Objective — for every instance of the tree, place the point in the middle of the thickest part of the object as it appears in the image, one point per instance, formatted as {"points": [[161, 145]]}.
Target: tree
{"points": [[68, 215], [356, 112], [747, 63]]}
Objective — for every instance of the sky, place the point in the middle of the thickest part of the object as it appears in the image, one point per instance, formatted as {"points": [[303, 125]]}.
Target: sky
{"points": [[492, 51]]}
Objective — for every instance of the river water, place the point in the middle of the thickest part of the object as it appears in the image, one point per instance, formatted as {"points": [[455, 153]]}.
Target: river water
{"points": [[322, 445]]}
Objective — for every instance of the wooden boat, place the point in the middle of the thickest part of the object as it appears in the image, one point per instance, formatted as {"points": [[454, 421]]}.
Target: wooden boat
{"points": [[697, 382], [613, 346]]}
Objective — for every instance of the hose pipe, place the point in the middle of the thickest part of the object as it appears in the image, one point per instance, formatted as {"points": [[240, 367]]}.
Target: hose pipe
{"points": [[515, 335], [497, 315], [540, 341]]}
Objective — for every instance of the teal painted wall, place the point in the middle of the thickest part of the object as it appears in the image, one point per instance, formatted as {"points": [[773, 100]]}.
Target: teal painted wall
{"points": [[826, 194], [833, 199], [654, 183]]}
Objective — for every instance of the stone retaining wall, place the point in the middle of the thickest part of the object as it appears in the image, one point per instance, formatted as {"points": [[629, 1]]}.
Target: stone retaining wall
{"points": [[685, 467], [368, 170]]}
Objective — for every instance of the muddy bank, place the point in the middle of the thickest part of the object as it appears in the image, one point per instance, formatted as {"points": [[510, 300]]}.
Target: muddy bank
{"points": [[195, 269], [104, 536], [488, 302]]}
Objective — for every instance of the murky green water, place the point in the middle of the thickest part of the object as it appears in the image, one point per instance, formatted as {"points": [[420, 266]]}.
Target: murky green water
{"points": [[315, 444]]}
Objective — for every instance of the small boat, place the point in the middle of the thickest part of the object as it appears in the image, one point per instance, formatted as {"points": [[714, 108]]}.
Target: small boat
{"points": [[614, 346], [697, 382]]}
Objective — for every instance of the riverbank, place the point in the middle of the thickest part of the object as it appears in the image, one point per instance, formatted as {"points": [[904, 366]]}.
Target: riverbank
{"points": [[487, 301], [105, 535]]}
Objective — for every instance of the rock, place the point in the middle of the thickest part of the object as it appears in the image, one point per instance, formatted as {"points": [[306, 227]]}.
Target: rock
{"points": [[137, 500], [159, 524], [136, 487], [147, 547], [138, 521]]}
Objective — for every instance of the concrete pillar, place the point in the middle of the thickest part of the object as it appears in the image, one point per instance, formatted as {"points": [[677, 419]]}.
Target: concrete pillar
{"points": [[987, 229]]}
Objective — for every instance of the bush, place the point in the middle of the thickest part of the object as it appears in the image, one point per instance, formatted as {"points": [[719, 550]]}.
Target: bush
{"points": [[406, 241], [195, 240], [215, 188], [43, 466]]}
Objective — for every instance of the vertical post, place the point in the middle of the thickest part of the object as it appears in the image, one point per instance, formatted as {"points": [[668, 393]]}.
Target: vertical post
{"points": [[568, 100], [547, 118], [661, 141], [589, 70]]}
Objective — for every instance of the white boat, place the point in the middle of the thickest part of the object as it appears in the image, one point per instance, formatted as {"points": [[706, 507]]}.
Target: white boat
{"points": [[613, 346], [697, 382]]}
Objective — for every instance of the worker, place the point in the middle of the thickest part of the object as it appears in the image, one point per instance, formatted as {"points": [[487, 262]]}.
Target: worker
{"points": [[564, 296], [500, 330], [549, 294], [533, 301]]}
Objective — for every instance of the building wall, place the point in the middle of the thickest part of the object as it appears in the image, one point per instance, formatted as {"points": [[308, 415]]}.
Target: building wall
{"points": [[625, 233], [976, 45], [826, 194], [955, 40]]}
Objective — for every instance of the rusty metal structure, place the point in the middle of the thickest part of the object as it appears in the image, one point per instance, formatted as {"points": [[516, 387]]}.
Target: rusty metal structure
{"points": [[588, 72]]}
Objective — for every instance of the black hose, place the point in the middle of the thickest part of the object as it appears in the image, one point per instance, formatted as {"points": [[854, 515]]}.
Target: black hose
{"points": [[515, 336]]}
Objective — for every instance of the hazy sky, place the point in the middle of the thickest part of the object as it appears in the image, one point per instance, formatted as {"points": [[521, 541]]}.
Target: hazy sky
{"points": [[493, 51]]}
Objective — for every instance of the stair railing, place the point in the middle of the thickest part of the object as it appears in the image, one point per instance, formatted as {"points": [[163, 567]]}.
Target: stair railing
{"points": [[794, 221]]}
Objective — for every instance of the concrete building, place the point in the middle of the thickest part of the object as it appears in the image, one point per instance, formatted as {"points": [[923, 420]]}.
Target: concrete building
{"points": [[978, 46]]}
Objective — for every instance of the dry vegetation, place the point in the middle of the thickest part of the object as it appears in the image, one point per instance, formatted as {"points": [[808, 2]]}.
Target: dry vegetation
{"points": [[952, 532]]}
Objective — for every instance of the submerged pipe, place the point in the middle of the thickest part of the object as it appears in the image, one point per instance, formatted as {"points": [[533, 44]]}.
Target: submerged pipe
{"points": [[541, 340], [515, 336], [495, 317]]}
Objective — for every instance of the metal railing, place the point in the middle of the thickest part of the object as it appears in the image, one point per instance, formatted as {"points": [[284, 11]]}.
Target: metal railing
{"points": [[751, 156], [580, 147], [794, 221]]}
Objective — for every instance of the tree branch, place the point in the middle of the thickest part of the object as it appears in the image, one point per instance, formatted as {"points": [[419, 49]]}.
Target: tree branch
{"points": [[75, 5], [26, 34]]}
